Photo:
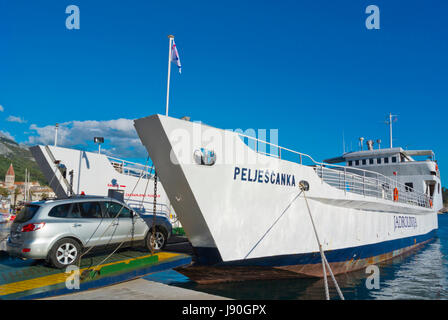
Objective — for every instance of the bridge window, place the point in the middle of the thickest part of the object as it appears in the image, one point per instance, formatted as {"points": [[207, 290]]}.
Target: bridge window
{"points": [[364, 162], [386, 160], [370, 161], [409, 186], [350, 163], [378, 160], [357, 162], [394, 159]]}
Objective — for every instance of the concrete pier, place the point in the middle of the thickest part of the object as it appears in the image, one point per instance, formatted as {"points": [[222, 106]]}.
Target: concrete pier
{"points": [[139, 289]]}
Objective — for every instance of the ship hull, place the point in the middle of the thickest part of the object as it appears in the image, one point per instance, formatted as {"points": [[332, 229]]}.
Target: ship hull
{"points": [[292, 267], [250, 211], [310, 264]]}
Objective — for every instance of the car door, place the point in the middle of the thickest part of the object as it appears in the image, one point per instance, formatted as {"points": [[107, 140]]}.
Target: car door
{"points": [[88, 223], [121, 218]]}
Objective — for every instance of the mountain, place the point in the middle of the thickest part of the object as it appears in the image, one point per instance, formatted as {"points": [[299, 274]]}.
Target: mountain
{"points": [[21, 158]]}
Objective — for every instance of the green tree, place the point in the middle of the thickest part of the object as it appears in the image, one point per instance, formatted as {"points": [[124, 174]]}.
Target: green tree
{"points": [[4, 192]]}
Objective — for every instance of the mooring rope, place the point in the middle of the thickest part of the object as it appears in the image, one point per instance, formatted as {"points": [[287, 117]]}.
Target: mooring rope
{"points": [[322, 254], [115, 217]]}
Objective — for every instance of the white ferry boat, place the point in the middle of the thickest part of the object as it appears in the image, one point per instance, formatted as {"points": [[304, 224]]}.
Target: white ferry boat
{"points": [[76, 172], [251, 211]]}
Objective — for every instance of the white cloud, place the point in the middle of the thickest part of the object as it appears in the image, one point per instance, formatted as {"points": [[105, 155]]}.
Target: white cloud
{"points": [[6, 135], [119, 135], [1, 108], [15, 119]]}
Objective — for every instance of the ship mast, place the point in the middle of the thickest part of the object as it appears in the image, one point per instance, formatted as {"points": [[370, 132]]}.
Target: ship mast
{"points": [[389, 122]]}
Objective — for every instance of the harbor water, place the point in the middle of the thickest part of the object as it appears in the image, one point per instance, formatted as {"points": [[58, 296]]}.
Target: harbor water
{"points": [[422, 274]]}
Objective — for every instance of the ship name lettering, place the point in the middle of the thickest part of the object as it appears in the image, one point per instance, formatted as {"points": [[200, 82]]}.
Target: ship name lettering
{"points": [[264, 176], [404, 222]]}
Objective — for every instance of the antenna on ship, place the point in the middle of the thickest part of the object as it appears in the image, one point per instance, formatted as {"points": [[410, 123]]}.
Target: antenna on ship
{"points": [[392, 118], [361, 139], [370, 144]]}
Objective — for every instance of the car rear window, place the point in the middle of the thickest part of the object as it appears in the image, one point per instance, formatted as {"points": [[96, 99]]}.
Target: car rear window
{"points": [[61, 211], [27, 213]]}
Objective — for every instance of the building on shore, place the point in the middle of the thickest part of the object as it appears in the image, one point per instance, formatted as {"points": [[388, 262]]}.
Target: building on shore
{"points": [[10, 177], [17, 190]]}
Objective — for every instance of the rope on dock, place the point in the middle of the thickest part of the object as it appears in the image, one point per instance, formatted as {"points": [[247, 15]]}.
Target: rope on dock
{"points": [[305, 187]]}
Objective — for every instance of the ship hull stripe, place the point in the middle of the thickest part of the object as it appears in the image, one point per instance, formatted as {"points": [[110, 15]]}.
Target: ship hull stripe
{"points": [[210, 256]]}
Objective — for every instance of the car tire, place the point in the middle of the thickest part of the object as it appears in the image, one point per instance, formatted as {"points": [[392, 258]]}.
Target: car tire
{"points": [[65, 252], [161, 238]]}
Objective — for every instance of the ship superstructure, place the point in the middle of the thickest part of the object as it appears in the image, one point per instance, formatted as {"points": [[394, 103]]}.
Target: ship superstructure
{"points": [[417, 170]]}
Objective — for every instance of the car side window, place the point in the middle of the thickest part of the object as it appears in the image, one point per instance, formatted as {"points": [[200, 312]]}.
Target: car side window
{"points": [[113, 208], [125, 213], [61, 211], [89, 210], [75, 212]]}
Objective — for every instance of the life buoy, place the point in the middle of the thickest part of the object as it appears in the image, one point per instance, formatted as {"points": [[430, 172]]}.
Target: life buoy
{"points": [[430, 203], [395, 194]]}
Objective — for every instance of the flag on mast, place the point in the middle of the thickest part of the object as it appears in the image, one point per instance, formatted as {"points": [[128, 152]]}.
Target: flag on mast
{"points": [[175, 56]]}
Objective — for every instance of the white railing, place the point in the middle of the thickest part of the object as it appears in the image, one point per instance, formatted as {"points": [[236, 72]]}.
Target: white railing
{"points": [[371, 184], [147, 207], [353, 180], [131, 168]]}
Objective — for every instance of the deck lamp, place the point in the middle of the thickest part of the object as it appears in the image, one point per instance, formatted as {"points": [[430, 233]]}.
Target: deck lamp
{"points": [[98, 140]]}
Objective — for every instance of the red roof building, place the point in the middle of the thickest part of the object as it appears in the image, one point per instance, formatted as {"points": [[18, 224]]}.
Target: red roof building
{"points": [[10, 171], [10, 177]]}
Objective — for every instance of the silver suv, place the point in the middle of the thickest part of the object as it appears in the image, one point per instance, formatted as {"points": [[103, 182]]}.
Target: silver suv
{"points": [[59, 230]]}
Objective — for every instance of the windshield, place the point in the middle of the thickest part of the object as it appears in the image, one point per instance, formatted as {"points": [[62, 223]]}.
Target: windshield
{"points": [[26, 213]]}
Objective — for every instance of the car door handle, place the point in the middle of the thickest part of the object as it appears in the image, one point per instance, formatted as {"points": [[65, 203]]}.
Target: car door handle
{"points": [[77, 225]]}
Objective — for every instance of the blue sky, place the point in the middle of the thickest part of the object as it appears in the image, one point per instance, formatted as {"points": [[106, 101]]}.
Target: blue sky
{"points": [[308, 68]]}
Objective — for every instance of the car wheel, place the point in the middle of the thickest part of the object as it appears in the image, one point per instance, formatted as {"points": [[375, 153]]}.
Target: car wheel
{"points": [[160, 240], [65, 252]]}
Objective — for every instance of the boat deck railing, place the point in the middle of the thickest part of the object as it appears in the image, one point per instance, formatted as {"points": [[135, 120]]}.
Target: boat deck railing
{"points": [[352, 180], [131, 168], [147, 207]]}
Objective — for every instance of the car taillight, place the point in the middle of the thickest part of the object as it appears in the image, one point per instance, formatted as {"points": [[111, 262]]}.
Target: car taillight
{"points": [[32, 227]]}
